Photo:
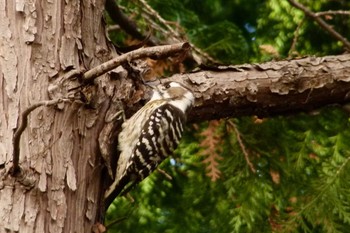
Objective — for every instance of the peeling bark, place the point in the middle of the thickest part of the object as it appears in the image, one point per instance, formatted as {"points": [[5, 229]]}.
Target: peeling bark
{"points": [[272, 88], [59, 186]]}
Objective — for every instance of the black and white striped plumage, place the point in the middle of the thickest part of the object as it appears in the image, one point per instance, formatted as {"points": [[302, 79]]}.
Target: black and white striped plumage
{"points": [[151, 134]]}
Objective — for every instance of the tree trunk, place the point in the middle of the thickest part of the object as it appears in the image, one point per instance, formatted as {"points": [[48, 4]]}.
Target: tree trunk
{"points": [[58, 188]]}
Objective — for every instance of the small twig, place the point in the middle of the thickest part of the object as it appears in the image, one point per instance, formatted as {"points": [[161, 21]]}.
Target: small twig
{"points": [[125, 23], [171, 33], [241, 144], [332, 13], [22, 124], [129, 197], [113, 28], [73, 73], [155, 14], [164, 173], [118, 220], [156, 51], [128, 215], [295, 38], [130, 27], [321, 22]]}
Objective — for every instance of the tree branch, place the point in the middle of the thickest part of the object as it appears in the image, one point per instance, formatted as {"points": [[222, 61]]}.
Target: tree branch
{"points": [[295, 38], [124, 22], [241, 144], [164, 173], [332, 13], [159, 24], [272, 88], [321, 22], [22, 125], [154, 52]]}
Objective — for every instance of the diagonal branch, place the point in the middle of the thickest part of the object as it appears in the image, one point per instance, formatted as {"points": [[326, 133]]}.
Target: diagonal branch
{"points": [[332, 13], [295, 38], [125, 23], [156, 51], [321, 22], [241, 144], [171, 34]]}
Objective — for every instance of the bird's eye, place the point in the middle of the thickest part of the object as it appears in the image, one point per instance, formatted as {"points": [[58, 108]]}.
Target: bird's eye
{"points": [[167, 85]]}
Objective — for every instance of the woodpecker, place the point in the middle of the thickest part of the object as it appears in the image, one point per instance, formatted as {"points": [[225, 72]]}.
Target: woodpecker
{"points": [[151, 135]]}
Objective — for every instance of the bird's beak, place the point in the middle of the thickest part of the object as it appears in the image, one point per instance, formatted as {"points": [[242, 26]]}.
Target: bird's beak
{"points": [[153, 88], [153, 84]]}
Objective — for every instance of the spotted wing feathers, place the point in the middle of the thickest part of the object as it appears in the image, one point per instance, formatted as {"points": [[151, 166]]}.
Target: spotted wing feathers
{"points": [[159, 138]]}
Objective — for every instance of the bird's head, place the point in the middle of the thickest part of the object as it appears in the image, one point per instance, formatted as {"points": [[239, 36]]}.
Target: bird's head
{"points": [[175, 93]]}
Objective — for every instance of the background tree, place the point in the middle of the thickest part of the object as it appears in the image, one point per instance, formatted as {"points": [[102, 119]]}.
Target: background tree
{"points": [[59, 124]]}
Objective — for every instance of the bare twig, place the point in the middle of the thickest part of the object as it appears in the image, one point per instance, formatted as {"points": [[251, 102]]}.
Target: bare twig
{"points": [[128, 215], [113, 28], [22, 124], [164, 173], [241, 144], [125, 23], [321, 22], [73, 73], [154, 13], [156, 51], [295, 38], [332, 13], [118, 220], [129, 197], [169, 32], [130, 27]]}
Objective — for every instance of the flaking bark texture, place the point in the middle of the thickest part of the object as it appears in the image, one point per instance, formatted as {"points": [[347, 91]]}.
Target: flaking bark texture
{"points": [[59, 187], [268, 89]]}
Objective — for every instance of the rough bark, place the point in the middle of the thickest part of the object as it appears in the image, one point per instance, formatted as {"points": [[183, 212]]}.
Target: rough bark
{"points": [[60, 185], [268, 89]]}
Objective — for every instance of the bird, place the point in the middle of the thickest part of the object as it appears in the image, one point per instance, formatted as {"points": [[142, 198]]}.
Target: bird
{"points": [[151, 135]]}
